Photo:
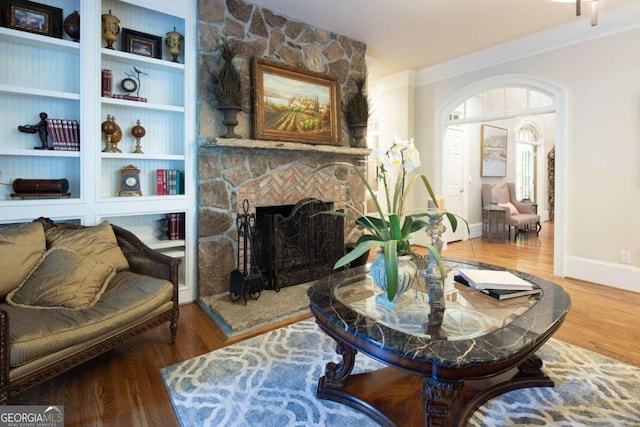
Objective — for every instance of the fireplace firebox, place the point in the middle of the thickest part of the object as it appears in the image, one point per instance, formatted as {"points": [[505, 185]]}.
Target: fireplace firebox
{"points": [[296, 244]]}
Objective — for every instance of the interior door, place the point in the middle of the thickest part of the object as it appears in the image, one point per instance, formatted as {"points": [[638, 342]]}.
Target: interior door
{"points": [[453, 179]]}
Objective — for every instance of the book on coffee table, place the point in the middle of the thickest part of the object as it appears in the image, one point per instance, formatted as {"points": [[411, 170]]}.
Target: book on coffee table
{"points": [[500, 294], [494, 279]]}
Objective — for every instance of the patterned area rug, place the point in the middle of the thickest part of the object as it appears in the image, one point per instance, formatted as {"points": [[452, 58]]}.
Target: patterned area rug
{"points": [[270, 380]]}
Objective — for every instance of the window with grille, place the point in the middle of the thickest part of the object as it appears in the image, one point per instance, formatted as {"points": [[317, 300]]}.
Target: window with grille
{"points": [[526, 163]]}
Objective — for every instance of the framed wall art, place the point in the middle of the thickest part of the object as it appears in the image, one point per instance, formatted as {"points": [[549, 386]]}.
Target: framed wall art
{"points": [[141, 43], [293, 105], [493, 151], [33, 17]]}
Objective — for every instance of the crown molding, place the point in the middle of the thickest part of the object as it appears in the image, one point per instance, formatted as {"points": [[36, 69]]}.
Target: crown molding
{"points": [[616, 21], [406, 78]]}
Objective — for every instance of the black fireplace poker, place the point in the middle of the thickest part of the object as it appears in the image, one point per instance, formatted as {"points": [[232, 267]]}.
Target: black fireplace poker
{"points": [[249, 281]]}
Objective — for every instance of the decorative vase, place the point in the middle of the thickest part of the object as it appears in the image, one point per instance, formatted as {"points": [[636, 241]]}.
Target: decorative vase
{"points": [[112, 133], [110, 29], [358, 132], [71, 26], [407, 273], [173, 41], [229, 119]]}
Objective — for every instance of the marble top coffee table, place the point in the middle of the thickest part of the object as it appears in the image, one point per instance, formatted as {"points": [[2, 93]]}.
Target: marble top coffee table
{"points": [[434, 376]]}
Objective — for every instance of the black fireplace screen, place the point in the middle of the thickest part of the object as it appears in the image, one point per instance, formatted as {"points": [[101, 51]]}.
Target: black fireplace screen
{"points": [[294, 244]]}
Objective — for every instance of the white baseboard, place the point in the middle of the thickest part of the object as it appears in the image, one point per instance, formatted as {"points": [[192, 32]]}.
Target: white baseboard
{"points": [[475, 230], [605, 273], [601, 272], [186, 294]]}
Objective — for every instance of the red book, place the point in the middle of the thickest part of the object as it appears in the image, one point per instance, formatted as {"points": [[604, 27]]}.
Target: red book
{"points": [[173, 226], [106, 83], [75, 135], [160, 182], [181, 228]]}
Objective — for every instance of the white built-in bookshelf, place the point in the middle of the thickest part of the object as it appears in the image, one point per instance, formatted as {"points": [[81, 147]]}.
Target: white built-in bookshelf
{"points": [[64, 79]]}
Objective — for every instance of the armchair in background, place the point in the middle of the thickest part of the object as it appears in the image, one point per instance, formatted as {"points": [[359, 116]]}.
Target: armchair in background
{"points": [[519, 215]]}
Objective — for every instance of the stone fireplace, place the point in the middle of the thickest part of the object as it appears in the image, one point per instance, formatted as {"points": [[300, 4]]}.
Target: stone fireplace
{"points": [[265, 173]]}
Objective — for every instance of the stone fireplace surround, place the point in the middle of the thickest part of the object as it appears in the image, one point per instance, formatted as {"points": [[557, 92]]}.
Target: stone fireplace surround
{"points": [[260, 171], [266, 173]]}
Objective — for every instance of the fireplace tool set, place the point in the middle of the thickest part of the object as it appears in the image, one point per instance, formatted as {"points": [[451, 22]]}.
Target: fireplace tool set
{"points": [[249, 281]]}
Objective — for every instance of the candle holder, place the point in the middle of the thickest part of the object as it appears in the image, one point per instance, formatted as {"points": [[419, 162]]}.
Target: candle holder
{"points": [[138, 132]]}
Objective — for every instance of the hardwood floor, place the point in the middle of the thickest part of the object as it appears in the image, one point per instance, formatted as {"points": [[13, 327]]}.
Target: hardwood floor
{"points": [[123, 387], [601, 319]]}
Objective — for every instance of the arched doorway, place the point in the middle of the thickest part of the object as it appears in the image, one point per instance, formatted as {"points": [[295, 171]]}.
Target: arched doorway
{"points": [[500, 99]]}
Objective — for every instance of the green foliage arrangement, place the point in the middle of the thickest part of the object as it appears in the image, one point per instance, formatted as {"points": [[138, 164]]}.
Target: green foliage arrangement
{"points": [[357, 110], [390, 230], [227, 83]]}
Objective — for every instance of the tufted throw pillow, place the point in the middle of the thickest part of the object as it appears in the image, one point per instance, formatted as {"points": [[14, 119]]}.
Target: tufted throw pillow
{"points": [[63, 279], [98, 243], [512, 209], [21, 248]]}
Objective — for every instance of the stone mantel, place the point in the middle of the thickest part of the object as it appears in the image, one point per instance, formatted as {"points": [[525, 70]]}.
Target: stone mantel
{"points": [[255, 144]]}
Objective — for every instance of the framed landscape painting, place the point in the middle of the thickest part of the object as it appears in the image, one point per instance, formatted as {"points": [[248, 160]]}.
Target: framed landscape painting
{"points": [[293, 105], [493, 151]]}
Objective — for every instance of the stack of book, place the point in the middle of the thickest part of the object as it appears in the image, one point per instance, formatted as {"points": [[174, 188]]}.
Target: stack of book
{"points": [[169, 181], [176, 226], [64, 133], [498, 284]]}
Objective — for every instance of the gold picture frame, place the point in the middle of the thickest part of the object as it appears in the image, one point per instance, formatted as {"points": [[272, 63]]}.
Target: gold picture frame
{"points": [[293, 105]]}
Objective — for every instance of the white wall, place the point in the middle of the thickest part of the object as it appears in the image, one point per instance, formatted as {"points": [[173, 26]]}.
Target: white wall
{"points": [[601, 79], [393, 108]]}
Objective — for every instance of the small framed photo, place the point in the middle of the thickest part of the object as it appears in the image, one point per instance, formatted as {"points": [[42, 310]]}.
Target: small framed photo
{"points": [[33, 17], [141, 43]]}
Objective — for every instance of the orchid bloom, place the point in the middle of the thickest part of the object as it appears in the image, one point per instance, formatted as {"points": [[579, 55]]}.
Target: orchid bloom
{"points": [[389, 228], [411, 158]]}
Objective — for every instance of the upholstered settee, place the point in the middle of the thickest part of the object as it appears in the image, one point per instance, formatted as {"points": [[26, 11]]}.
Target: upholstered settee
{"points": [[519, 215], [69, 293]]}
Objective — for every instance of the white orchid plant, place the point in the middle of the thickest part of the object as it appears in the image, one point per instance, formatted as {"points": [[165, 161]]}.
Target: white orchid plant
{"points": [[391, 230]]}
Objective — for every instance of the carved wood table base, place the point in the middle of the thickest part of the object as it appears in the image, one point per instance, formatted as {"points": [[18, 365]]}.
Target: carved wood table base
{"points": [[434, 376], [393, 397]]}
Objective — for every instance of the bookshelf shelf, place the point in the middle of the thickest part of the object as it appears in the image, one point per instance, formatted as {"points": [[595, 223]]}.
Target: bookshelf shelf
{"points": [[8, 35], [63, 78]]}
